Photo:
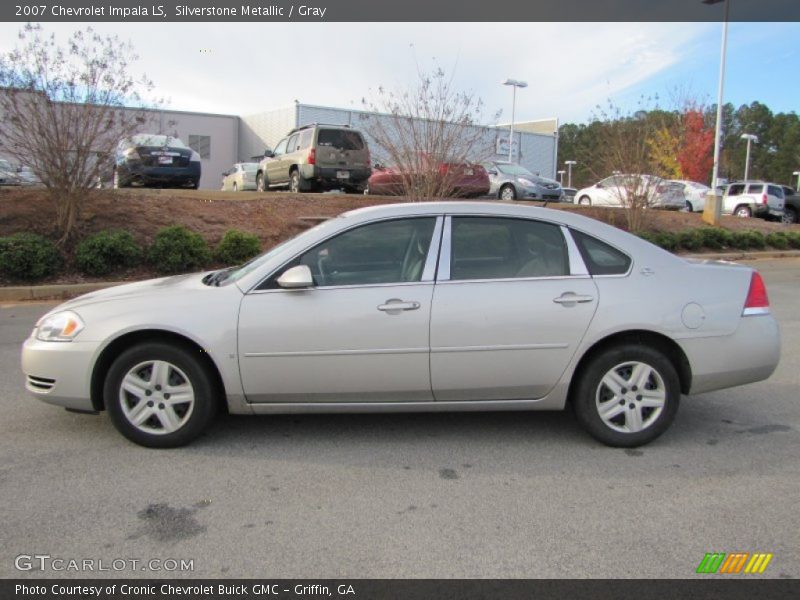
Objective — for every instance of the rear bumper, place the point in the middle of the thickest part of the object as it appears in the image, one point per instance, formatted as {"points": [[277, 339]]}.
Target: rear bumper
{"points": [[163, 175], [329, 176], [748, 355], [59, 372]]}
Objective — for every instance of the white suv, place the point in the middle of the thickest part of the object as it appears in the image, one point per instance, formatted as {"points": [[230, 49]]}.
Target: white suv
{"points": [[753, 199]]}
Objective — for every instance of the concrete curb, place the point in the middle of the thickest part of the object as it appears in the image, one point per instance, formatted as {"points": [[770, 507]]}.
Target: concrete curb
{"points": [[745, 255], [52, 292], [70, 290]]}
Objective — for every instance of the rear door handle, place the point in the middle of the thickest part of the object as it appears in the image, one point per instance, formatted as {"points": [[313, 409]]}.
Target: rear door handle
{"points": [[570, 298], [395, 306]]}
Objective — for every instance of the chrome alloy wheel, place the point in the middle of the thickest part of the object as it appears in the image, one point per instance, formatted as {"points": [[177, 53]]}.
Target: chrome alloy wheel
{"points": [[630, 397], [156, 397]]}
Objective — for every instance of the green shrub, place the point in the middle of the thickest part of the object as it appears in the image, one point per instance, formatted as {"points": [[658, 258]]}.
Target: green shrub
{"points": [[106, 252], [690, 239], [176, 249], [237, 247], [647, 236], [715, 238], [668, 241], [28, 256], [740, 240], [794, 239], [757, 239], [778, 239]]}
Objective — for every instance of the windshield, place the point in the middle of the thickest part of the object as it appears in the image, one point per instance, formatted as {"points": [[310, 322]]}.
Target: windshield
{"points": [[157, 140], [344, 139], [5, 165], [515, 170]]}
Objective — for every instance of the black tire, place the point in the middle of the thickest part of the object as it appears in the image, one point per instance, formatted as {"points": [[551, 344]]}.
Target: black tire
{"points": [[186, 367], [742, 211], [119, 182], [194, 185], [235, 187], [296, 183], [789, 215], [585, 201], [261, 184], [507, 192], [689, 207], [591, 392]]}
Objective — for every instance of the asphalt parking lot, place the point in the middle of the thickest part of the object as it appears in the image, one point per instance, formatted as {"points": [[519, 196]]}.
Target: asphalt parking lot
{"points": [[437, 495]]}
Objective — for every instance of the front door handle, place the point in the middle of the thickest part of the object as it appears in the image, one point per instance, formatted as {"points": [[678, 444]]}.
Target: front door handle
{"points": [[571, 298], [395, 306]]}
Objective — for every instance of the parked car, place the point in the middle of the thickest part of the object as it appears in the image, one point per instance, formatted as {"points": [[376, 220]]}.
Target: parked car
{"points": [[8, 174], [791, 205], [149, 159], [27, 176], [433, 306], [753, 199], [694, 194], [458, 180], [240, 177], [613, 191], [510, 181], [569, 194], [316, 157]]}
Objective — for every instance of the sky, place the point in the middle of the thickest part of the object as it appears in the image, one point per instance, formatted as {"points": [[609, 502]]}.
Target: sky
{"points": [[571, 68]]}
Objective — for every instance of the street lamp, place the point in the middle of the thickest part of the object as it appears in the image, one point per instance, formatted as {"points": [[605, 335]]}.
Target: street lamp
{"points": [[718, 128], [514, 83], [798, 179], [561, 177], [569, 164], [750, 138]]}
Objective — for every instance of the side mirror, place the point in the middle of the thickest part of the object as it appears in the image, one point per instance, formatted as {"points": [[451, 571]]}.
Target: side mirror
{"points": [[298, 277], [492, 172], [599, 184], [268, 153]]}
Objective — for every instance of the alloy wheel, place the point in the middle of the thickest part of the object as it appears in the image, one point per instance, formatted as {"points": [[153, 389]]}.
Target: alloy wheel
{"points": [[630, 397], [156, 397]]}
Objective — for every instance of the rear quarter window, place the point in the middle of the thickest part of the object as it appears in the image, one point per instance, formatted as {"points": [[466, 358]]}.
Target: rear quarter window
{"points": [[601, 258], [755, 188], [774, 190]]}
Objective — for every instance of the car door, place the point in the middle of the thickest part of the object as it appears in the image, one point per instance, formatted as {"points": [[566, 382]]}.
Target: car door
{"points": [[361, 334], [511, 305], [608, 192], [275, 174]]}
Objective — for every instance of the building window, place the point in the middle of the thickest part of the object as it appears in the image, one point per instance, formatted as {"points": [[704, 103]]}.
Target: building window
{"points": [[201, 144]]}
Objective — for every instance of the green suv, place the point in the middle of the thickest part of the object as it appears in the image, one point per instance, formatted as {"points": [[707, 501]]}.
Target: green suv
{"points": [[316, 157]]}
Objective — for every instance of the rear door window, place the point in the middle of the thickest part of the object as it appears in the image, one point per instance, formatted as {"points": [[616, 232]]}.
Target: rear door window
{"points": [[344, 139], [735, 190]]}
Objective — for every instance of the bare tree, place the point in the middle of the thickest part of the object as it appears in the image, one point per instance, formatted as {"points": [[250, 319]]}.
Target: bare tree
{"points": [[64, 108], [428, 134], [625, 152]]}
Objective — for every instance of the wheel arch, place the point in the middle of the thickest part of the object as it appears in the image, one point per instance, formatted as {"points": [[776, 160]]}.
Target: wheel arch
{"points": [[673, 352], [127, 340]]}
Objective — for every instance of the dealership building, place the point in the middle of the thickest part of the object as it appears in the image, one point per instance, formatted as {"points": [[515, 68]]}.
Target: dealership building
{"points": [[222, 140]]}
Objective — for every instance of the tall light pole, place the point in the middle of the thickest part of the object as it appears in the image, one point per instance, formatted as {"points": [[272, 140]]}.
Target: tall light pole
{"points": [[514, 83], [798, 179], [561, 177], [718, 129], [750, 138], [569, 164]]}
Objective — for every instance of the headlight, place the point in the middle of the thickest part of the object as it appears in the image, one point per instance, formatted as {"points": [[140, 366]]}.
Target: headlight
{"points": [[524, 181], [131, 154], [59, 327], [195, 157]]}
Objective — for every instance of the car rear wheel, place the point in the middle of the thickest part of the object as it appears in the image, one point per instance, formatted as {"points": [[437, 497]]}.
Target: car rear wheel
{"points": [[295, 182], [508, 192], [159, 395], [743, 211], [235, 187], [689, 207], [261, 184], [789, 215], [627, 396], [585, 200]]}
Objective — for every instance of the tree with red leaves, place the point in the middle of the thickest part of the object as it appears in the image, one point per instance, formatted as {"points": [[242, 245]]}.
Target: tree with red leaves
{"points": [[697, 142]]}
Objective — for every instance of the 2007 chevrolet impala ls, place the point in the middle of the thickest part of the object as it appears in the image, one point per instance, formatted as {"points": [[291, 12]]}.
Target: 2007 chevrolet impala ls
{"points": [[415, 307]]}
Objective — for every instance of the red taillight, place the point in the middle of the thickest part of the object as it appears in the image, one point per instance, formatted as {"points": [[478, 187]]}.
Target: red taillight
{"points": [[312, 156], [764, 198], [757, 302]]}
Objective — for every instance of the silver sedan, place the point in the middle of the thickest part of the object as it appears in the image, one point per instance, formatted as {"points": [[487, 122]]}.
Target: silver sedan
{"points": [[415, 307]]}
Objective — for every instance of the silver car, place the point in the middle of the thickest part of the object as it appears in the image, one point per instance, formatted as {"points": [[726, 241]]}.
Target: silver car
{"points": [[613, 191], [510, 181], [459, 306], [240, 177]]}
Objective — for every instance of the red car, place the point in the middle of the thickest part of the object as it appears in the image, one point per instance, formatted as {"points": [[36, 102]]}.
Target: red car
{"points": [[462, 180]]}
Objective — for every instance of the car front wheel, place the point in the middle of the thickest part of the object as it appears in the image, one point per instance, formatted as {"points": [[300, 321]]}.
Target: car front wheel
{"points": [[159, 395], [627, 396], [507, 192]]}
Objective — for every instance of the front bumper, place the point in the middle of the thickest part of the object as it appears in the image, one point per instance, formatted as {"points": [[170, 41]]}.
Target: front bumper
{"points": [[538, 193], [748, 355], [59, 372]]}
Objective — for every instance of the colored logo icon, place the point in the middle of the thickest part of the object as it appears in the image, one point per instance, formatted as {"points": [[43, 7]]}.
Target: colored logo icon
{"points": [[734, 563]]}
